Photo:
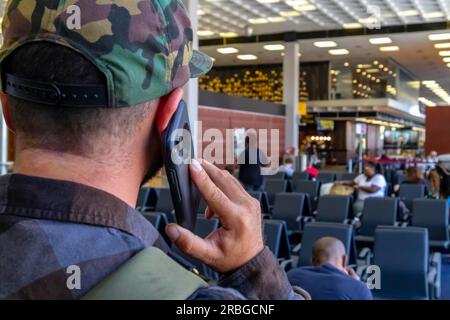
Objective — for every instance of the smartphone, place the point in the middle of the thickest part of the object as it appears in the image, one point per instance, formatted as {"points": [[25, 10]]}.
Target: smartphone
{"points": [[178, 151]]}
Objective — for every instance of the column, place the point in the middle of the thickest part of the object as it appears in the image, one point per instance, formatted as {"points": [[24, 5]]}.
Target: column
{"points": [[291, 79], [191, 88], [3, 146]]}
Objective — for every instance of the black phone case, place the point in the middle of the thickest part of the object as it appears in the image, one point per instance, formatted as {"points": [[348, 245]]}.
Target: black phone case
{"points": [[185, 195]]}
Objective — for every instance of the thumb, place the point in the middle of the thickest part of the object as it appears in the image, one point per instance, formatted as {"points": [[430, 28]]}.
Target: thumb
{"points": [[188, 242]]}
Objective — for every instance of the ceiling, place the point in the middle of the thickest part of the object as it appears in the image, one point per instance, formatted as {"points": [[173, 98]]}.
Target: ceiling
{"points": [[272, 16], [416, 53]]}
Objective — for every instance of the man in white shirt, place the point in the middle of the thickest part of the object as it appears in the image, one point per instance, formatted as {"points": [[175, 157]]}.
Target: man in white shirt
{"points": [[370, 184]]}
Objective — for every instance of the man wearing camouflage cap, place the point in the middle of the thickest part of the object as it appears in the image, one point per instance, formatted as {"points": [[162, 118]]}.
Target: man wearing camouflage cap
{"points": [[82, 98]]}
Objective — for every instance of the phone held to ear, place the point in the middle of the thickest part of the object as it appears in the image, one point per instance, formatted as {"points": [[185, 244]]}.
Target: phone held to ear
{"points": [[178, 151]]}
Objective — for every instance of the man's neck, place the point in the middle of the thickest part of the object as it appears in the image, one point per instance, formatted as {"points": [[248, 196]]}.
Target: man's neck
{"points": [[120, 181]]}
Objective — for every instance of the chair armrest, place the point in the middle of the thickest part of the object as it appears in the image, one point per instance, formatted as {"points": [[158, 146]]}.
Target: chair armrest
{"points": [[266, 216], [434, 275], [287, 264], [297, 248]]}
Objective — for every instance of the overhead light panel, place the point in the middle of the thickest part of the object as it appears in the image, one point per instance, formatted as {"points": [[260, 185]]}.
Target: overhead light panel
{"points": [[228, 34], [431, 15], [205, 33], [227, 50], [267, 1], [325, 44], [445, 53], [307, 7], [444, 45], [274, 47], [258, 20], [383, 40], [292, 13], [389, 48], [247, 57], [439, 36], [446, 59], [201, 12], [408, 13], [354, 25], [276, 19], [338, 52]]}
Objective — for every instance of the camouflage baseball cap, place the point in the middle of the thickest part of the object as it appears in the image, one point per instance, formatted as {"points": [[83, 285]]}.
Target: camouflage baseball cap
{"points": [[143, 47]]}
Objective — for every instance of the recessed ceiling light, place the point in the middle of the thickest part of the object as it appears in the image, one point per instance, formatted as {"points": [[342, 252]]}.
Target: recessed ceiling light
{"points": [[228, 34], [408, 13], [338, 52], [445, 53], [227, 50], [384, 40], [364, 66], [201, 12], [346, 64], [205, 33], [268, 1], [444, 45], [258, 21], [389, 49], [354, 25], [247, 57], [292, 13], [276, 19], [274, 47], [306, 7], [431, 15], [439, 36], [447, 59], [448, 65], [325, 44], [213, 59]]}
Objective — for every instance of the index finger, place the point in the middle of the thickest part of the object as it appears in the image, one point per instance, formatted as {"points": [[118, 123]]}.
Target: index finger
{"points": [[217, 201]]}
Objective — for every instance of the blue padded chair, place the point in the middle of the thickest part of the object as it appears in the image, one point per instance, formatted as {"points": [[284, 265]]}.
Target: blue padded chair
{"points": [[301, 176], [276, 238], [317, 230], [312, 188], [403, 258], [290, 207], [409, 192], [277, 176], [346, 176], [272, 187], [333, 208], [377, 211], [326, 177], [142, 198], [433, 215]]}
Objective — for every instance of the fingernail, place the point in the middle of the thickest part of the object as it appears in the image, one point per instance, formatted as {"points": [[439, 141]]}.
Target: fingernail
{"points": [[196, 165], [173, 233]]}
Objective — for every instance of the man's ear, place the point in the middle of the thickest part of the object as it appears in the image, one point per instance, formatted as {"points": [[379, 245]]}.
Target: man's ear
{"points": [[344, 261], [6, 115], [167, 107]]}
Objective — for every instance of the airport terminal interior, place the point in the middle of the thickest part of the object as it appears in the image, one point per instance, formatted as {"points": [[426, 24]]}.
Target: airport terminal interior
{"points": [[348, 104]]}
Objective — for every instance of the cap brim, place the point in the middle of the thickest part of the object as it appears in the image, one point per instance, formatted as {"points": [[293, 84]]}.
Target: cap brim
{"points": [[200, 64]]}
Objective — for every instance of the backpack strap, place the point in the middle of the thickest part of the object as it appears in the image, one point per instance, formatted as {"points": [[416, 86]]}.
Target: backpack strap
{"points": [[149, 275]]}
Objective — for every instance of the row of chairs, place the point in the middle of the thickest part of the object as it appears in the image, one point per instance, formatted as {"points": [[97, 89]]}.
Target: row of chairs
{"points": [[323, 177], [408, 269]]}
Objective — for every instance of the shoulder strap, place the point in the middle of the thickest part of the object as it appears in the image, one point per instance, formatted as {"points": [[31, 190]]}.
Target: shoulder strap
{"points": [[149, 275]]}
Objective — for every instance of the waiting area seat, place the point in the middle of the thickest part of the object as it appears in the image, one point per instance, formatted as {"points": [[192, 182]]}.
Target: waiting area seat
{"points": [[376, 212], [332, 208], [290, 207], [433, 215], [272, 187], [409, 192], [300, 176], [346, 176], [402, 255], [326, 177], [312, 188], [276, 238], [317, 230], [276, 176]]}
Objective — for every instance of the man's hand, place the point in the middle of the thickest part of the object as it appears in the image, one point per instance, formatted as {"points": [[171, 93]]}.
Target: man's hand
{"points": [[353, 274], [239, 239]]}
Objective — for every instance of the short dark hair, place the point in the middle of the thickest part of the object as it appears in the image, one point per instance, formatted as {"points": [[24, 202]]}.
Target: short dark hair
{"points": [[62, 128]]}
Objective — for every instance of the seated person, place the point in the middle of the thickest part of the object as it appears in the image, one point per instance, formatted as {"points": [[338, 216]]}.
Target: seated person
{"points": [[413, 176], [329, 278], [370, 184], [287, 168]]}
